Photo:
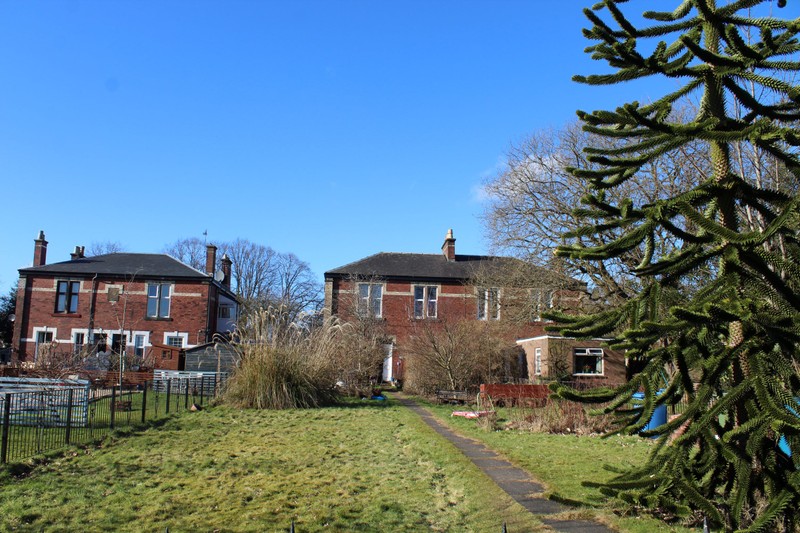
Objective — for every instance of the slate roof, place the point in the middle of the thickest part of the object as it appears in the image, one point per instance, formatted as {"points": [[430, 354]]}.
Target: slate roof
{"points": [[421, 266], [122, 264]]}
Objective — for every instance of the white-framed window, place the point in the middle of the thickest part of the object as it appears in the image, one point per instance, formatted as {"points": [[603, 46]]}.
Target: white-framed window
{"points": [[43, 336], [78, 340], [139, 341], [158, 298], [425, 301], [370, 299], [588, 361], [542, 300], [67, 296], [537, 362], [489, 304], [176, 339]]}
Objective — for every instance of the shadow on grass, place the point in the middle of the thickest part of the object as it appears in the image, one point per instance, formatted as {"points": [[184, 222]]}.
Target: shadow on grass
{"points": [[25, 467], [357, 403]]}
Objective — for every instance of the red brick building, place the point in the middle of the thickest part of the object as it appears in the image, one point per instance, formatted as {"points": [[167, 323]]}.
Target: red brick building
{"points": [[119, 302], [588, 361], [407, 291]]}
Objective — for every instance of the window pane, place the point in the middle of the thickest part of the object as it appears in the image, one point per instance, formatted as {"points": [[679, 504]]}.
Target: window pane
{"points": [[494, 304], [61, 296], [588, 361], [175, 341], [377, 292], [432, 302], [152, 300], [481, 304], [77, 343], [163, 310], [152, 307], [138, 345], [419, 297]]}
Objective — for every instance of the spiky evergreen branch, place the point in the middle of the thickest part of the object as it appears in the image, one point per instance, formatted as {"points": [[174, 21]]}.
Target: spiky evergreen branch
{"points": [[731, 346]]}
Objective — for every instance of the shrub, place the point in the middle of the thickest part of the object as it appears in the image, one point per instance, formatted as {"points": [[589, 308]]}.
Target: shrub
{"points": [[560, 417], [457, 355], [282, 366]]}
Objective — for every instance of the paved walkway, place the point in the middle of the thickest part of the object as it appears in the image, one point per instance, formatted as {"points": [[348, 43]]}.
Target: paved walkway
{"points": [[515, 481]]}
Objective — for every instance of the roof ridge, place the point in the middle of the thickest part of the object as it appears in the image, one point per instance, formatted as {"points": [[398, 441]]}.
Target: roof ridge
{"points": [[356, 261]]}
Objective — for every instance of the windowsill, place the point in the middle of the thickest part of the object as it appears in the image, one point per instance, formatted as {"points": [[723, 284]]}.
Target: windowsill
{"points": [[589, 375], [158, 319], [66, 315]]}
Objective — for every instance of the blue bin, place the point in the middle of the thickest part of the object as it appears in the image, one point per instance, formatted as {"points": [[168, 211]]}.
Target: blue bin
{"points": [[659, 417], [783, 444]]}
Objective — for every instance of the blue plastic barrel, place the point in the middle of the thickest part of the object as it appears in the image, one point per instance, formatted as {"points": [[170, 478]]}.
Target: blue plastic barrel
{"points": [[783, 444], [659, 417]]}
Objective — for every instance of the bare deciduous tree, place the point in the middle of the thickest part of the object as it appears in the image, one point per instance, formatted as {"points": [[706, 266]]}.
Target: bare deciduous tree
{"points": [[455, 355], [106, 247], [261, 277], [532, 205], [254, 270], [190, 251]]}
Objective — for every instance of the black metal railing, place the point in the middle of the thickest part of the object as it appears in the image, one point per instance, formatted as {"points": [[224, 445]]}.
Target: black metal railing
{"points": [[38, 421]]}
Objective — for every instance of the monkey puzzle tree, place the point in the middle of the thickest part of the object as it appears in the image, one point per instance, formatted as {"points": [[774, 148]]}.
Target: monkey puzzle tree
{"points": [[728, 349]]}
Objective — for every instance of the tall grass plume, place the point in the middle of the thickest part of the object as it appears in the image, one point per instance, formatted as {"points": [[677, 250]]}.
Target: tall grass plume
{"points": [[282, 365]]}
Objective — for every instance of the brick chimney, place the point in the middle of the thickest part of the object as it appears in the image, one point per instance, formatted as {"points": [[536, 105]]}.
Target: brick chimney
{"points": [[226, 269], [211, 259], [449, 246], [78, 253], [40, 250]]}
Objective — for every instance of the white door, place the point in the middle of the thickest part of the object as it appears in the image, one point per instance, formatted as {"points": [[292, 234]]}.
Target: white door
{"points": [[388, 349]]}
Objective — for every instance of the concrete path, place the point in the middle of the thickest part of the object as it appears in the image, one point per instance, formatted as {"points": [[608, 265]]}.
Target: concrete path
{"points": [[515, 481]]}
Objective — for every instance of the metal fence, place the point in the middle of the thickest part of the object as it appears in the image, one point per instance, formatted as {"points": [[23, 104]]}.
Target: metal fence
{"points": [[37, 421]]}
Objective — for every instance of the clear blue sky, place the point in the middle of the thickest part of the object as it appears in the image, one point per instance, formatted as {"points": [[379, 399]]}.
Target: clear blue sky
{"points": [[330, 129]]}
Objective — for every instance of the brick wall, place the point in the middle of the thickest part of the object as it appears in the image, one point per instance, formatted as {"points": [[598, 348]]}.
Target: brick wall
{"points": [[456, 301], [36, 299]]}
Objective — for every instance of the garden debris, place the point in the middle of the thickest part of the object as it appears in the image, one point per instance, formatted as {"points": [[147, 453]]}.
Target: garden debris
{"points": [[472, 414]]}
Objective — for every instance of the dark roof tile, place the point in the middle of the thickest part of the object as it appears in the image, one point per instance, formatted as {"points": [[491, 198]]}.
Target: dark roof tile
{"points": [[121, 264], [424, 266]]}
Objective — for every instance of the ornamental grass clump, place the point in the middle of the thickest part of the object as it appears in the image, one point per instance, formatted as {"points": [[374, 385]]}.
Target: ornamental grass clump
{"points": [[282, 365]]}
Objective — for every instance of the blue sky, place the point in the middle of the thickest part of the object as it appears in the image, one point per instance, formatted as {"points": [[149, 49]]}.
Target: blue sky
{"points": [[332, 130]]}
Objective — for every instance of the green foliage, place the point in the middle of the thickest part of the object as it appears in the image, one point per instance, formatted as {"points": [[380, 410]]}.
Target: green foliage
{"points": [[729, 349], [8, 303]]}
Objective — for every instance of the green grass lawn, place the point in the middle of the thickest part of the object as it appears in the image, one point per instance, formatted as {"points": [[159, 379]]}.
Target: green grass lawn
{"points": [[361, 467], [564, 462], [364, 466]]}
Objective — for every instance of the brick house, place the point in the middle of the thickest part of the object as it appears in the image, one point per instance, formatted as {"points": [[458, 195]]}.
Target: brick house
{"points": [[406, 291], [119, 302], [585, 361]]}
